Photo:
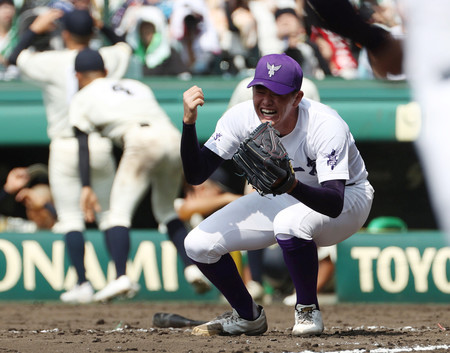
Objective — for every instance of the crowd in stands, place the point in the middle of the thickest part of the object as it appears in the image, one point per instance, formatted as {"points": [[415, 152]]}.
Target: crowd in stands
{"points": [[209, 37]]}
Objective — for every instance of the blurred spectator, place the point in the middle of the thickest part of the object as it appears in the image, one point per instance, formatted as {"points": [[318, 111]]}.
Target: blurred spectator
{"points": [[297, 44], [263, 11], [118, 8], [26, 196], [237, 29], [191, 26], [146, 30], [337, 52], [8, 38]]}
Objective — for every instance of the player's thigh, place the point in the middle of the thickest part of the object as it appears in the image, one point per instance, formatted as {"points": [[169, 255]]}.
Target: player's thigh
{"points": [[131, 181], [103, 167], [166, 179], [244, 224], [65, 183], [301, 221], [166, 183]]}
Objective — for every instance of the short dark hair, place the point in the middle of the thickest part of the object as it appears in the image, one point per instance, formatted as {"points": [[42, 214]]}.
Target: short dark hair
{"points": [[89, 60]]}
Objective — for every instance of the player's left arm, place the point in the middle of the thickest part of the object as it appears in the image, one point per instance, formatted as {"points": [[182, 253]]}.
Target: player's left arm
{"points": [[328, 199], [332, 171]]}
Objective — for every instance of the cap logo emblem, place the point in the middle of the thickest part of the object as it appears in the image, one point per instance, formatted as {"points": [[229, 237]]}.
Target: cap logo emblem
{"points": [[272, 69]]}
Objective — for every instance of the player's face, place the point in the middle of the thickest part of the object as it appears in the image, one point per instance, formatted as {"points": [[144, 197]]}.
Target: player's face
{"points": [[280, 110]]}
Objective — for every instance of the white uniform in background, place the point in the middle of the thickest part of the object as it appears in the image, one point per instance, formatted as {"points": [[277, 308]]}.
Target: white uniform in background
{"points": [[428, 70], [127, 112], [54, 72]]}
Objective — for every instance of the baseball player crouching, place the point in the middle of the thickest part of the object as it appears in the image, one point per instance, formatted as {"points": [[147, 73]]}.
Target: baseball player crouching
{"points": [[327, 200], [127, 112]]}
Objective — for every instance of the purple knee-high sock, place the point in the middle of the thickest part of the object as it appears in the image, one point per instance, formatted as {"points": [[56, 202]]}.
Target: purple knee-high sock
{"points": [[225, 276], [300, 256]]}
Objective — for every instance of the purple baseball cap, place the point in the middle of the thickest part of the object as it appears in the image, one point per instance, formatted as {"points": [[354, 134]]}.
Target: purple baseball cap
{"points": [[279, 73]]}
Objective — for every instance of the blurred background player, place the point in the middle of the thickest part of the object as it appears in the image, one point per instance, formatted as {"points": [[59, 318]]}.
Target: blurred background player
{"points": [[427, 66], [127, 112], [54, 71]]}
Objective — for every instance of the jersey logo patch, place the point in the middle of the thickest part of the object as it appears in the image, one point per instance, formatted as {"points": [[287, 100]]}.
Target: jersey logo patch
{"points": [[217, 136], [332, 159], [272, 69]]}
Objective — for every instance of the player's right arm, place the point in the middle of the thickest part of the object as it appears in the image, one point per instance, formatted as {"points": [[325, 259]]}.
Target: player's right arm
{"points": [[79, 118], [88, 201], [43, 23], [198, 162]]}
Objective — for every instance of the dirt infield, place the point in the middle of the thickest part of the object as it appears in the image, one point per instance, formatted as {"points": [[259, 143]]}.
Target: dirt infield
{"points": [[128, 327]]}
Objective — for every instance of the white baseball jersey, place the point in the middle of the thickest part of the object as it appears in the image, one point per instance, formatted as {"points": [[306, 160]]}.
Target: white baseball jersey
{"points": [[321, 148], [54, 72], [127, 112], [112, 106]]}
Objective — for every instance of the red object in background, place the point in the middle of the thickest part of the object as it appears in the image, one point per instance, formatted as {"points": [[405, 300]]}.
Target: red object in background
{"points": [[342, 61]]}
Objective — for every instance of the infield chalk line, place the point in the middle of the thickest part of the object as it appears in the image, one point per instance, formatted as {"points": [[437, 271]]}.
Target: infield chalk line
{"points": [[386, 350]]}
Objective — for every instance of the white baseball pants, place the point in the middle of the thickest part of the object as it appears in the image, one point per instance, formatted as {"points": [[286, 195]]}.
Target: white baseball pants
{"points": [[65, 183], [253, 221]]}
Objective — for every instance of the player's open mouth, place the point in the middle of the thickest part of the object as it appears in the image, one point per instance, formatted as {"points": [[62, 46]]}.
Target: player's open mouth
{"points": [[267, 112]]}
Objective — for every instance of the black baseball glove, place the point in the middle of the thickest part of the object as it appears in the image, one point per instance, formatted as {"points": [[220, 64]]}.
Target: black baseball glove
{"points": [[264, 161]]}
